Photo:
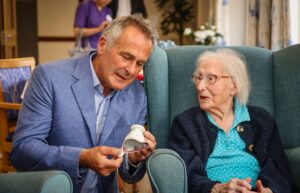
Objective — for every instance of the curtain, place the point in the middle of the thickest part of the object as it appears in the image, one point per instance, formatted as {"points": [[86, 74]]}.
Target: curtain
{"points": [[271, 24], [219, 16]]}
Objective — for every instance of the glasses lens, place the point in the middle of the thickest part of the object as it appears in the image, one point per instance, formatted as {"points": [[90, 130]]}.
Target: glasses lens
{"points": [[195, 78], [211, 79]]}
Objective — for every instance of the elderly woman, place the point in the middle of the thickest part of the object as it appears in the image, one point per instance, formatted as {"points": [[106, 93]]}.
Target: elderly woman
{"points": [[228, 146]]}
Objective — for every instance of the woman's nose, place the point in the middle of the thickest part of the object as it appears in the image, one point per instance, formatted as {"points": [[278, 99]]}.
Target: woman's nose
{"points": [[200, 85]]}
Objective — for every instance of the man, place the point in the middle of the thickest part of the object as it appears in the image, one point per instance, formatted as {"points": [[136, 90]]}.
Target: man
{"points": [[76, 112]]}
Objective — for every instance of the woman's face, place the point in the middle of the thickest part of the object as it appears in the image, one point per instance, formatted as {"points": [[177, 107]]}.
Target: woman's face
{"points": [[214, 85]]}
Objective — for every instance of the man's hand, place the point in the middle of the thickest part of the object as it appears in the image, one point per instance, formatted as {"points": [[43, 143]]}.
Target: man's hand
{"points": [[137, 156], [102, 159]]}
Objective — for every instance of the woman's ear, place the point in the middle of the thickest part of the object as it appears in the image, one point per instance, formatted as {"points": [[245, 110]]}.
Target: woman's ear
{"points": [[234, 88]]}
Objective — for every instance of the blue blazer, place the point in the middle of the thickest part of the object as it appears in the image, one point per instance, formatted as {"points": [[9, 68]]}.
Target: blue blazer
{"points": [[58, 119]]}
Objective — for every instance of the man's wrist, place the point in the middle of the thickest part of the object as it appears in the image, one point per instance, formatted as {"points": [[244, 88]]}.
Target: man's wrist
{"points": [[82, 155]]}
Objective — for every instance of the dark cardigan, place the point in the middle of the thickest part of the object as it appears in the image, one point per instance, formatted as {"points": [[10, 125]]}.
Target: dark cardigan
{"points": [[193, 137]]}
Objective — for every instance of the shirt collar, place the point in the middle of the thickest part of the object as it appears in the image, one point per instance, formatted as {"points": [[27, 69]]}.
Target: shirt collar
{"points": [[241, 114], [96, 81], [95, 78]]}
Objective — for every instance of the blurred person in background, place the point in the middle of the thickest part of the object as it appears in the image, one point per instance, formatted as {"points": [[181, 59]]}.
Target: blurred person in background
{"points": [[91, 18], [127, 7]]}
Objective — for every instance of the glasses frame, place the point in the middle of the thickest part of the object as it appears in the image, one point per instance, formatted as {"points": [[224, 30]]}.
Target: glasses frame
{"points": [[206, 78]]}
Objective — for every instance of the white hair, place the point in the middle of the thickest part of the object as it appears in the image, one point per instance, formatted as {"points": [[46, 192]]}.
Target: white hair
{"points": [[114, 30], [234, 64]]}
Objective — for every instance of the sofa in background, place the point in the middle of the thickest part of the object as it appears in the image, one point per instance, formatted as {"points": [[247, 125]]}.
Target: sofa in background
{"points": [[36, 182], [275, 78]]}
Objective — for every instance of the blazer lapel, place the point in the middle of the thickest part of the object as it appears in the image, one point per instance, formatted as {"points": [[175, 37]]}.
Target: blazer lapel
{"points": [[115, 112], [83, 90]]}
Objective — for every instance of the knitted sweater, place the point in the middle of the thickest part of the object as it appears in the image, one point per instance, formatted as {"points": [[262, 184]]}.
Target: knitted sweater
{"points": [[193, 137]]}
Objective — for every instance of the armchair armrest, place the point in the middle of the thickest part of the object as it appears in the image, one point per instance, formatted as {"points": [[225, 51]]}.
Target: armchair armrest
{"points": [[293, 156], [167, 172], [36, 182]]}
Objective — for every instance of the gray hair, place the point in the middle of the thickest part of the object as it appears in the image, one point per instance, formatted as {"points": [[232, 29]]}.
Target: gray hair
{"points": [[114, 30], [235, 65]]}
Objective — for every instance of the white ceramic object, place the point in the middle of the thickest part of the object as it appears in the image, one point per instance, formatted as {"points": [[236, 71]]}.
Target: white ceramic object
{"points": [[134, 140]]}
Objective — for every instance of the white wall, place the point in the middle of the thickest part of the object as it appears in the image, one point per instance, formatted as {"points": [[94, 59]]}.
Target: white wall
{"points": [[50, 51], [55, 18], [237, 17]]}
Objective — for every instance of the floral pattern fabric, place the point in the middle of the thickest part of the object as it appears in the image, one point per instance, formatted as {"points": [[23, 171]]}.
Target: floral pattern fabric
{"points": [[13, 81], [269, 23]]}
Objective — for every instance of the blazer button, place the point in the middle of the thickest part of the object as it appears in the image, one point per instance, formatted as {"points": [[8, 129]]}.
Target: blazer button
{"points": [[251, 147], [239, 128]]}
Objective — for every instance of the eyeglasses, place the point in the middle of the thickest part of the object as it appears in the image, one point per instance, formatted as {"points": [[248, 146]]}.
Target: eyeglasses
{"points": [[208, 79]]}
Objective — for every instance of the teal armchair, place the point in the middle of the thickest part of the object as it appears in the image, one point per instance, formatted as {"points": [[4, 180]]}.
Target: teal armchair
{"points": [[275, 78], [36, 182]]}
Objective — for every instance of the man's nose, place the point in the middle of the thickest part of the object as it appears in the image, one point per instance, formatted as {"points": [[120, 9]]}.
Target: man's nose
{"points": [[131, 68]]}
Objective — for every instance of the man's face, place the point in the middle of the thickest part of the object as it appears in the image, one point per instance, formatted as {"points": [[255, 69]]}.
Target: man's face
{"points": [[118, 65]]}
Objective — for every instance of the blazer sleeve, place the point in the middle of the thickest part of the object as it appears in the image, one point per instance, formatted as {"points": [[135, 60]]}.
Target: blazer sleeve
{"points": [[181, 141], [129, 173], [30, 148]]}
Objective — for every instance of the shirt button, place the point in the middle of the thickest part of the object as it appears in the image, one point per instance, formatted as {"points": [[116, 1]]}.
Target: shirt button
{"points": [[239, 128], [251, 147]]}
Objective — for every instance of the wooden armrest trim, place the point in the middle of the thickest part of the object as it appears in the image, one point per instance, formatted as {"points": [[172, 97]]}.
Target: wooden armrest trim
{"points": [[10, 106]]}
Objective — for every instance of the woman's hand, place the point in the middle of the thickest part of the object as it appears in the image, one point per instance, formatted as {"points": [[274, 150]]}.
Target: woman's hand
{"points": [[233, 186], [239, 186], [261, 189], [103, 25]]}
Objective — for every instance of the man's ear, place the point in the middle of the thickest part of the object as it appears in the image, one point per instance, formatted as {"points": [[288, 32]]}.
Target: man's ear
{"points": [[101, 45]]}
